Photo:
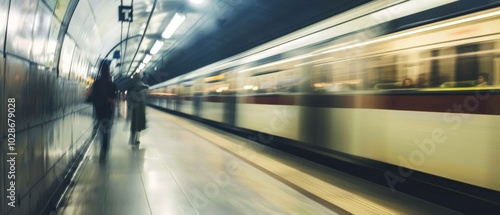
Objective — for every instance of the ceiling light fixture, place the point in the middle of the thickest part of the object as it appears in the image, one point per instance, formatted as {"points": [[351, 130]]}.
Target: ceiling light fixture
{"points": [[147, 58], [136, 71], [196, 1], [173, 25], [142, 65], [156, 47]]}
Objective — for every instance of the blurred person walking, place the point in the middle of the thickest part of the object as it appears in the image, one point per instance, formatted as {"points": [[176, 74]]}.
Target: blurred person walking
{"points": [[136, 99], [103, 97]]}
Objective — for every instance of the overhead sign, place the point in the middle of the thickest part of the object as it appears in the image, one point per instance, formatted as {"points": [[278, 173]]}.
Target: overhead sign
{"points": [[125, 13]]}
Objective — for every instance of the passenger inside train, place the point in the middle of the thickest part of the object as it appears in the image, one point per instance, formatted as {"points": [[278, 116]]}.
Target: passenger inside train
{"points": [[482, 80], [407, 83], [421, 81]]}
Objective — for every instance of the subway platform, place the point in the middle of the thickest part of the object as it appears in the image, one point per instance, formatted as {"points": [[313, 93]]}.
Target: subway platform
{"points": [[184, 167]]}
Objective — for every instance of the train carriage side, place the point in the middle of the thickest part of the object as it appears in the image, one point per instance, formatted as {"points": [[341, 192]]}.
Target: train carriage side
{"points": [[269, 98], [210, 102], [186, 97], [447, 127]]}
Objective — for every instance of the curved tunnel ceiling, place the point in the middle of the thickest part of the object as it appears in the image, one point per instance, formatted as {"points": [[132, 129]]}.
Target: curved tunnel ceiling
{"points": [[211, 31]]}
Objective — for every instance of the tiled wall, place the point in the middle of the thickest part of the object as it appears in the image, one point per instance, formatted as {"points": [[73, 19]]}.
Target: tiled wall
{"points": [[52, 122]]}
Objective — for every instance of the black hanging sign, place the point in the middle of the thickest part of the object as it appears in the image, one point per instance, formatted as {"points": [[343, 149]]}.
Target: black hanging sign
{"points": [[125, 13]]}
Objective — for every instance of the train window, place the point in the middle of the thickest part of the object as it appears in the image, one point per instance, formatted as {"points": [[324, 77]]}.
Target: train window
{"points": [[338, 76], [486, 59], [185, 88], [198, 87], [174, 90], [356, 69], [216, 84], [231, 81], [382, 72], [188, 90], [387, 70], [402, 67], [340, 71], [434, 77], [217, 88], [322, 77], [366, 73], [325, 74], [264, 83], [288, 82], [469, 61], [432, 68], [163, 92]]}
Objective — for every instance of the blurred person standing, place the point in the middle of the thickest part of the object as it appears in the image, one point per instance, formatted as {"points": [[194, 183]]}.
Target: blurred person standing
{"points": [[136, 99], [104, 96]]}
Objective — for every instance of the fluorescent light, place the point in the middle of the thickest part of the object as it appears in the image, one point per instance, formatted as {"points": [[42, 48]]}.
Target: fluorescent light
{"points": [[147, 58], [419, 30], [408, 8], [156, 47], [196, 1], [142, 65], [173, 25]]}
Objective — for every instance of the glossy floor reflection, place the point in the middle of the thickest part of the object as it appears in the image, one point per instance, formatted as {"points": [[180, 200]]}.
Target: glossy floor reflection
{"points": [[175, 171]]}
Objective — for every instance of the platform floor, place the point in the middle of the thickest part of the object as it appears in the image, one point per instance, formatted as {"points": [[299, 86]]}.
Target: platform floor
{"points": [[183, 167]]}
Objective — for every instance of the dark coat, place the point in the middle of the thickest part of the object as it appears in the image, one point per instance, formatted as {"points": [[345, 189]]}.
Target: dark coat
{"points": [[103, 92], [136, 99]]}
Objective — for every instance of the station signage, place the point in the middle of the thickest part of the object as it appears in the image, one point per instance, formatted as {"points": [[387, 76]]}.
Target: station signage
{"points": [[125, 13]]}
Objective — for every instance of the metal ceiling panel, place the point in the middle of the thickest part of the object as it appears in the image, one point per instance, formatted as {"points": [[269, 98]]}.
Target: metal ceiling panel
{"points": [[19, 33], [66, 56], [74, 68], [55, 27], [82, 28], [106, 16], [41, 29]]}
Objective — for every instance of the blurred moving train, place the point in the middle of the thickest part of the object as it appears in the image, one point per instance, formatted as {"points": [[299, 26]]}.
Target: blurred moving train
{"points": [[339, 91]]}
